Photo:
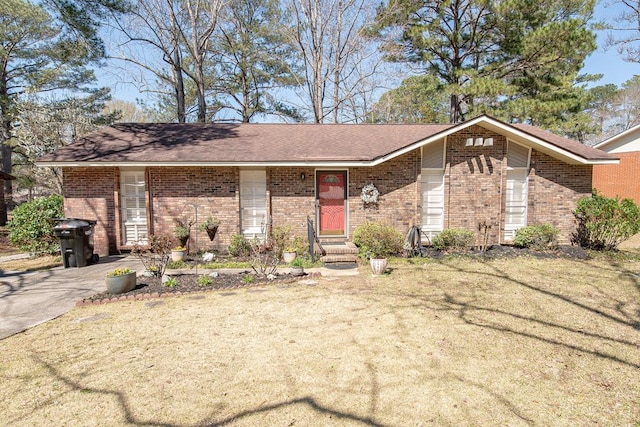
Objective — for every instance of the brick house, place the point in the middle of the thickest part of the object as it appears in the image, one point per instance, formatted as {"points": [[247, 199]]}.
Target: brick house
{"points": [[621, 180], [136, 179]]}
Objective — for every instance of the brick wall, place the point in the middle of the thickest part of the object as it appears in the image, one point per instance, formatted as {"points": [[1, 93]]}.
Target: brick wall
{"points": [[178, 192], [474, 182], [397, 180], [554, 189], [474, 192], [291, 198], [622, 180], [91, 193]]}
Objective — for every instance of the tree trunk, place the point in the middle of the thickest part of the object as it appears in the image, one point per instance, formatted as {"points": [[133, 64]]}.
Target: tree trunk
{"points": [[7, 189], [338, 64], [177, 70]]}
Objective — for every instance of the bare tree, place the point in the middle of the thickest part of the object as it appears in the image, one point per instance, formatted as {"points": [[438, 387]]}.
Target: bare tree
{"points": [[201, 19], [178, 33], [46, 124], [624, 30], [330, 37], [153, 24]]}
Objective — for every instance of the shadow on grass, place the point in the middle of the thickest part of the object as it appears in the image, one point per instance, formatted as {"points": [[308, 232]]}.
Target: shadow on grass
{"points": [[466, 309], [307, 401], [210, 421]]}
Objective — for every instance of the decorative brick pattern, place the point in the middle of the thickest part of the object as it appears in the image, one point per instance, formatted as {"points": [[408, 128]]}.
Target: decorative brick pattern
{"points": [[622, 180], [475, 181]]}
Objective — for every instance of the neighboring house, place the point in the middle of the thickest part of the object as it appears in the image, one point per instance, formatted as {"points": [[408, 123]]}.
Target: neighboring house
{"points": [[621, 180], [136, 179]]}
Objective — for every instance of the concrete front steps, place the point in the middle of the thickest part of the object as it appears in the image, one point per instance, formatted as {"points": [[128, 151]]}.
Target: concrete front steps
{"points": [[340, 253]]}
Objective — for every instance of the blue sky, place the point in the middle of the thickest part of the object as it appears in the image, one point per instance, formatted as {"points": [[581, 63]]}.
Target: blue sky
{"points": [[608, 62], [605, 62]]}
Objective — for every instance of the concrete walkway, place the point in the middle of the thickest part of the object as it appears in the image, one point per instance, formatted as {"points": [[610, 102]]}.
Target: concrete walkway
{"points": [[30, 298]]}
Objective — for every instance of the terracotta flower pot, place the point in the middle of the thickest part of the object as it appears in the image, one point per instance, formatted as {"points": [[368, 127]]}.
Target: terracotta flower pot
{"points": [[122, 283], [378, 265]]}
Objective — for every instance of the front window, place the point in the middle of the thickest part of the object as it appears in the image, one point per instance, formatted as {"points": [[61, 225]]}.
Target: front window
{"points": [[133, 207]]}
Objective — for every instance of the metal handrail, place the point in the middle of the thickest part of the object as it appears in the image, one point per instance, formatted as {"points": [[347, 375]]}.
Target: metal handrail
{"points": [[313, 238]]}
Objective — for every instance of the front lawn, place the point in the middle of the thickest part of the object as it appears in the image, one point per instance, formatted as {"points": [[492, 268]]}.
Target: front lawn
{"points": [[449, 342]]}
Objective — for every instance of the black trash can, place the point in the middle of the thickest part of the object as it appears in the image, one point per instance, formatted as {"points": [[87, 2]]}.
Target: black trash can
{"points": [[76, 241]]}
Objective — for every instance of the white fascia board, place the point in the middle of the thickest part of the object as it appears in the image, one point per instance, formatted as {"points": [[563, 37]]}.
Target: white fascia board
{"points": [[616, 137], [336, 164], [506, 130], [533, 141]]}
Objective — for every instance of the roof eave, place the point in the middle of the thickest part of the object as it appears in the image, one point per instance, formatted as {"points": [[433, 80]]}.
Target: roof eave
{"points": [[536, 142], [327, 163], [485, 121], [616, 137]]}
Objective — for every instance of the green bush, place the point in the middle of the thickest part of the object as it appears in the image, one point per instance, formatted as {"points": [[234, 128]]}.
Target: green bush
{"points": [[453, 239], [31, 228], [377, 239], [604, 223], [284, 239], [240, 246], [537, 237]]}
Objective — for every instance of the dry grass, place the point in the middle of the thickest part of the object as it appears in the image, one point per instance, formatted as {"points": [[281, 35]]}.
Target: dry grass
{"points": [[32, 264], [453, 342]]}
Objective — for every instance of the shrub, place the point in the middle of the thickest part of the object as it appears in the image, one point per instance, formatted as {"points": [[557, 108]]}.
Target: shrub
{"points": [[204, 281], [537, 237], [265, 256], [453, 239], [239, 246], [284, 239], [377, 239], [155, 255], [171, 282], [31, 228], [604, 223]]}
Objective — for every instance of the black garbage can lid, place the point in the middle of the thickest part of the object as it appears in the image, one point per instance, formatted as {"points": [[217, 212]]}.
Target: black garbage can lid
{"points": [[73, 223]]}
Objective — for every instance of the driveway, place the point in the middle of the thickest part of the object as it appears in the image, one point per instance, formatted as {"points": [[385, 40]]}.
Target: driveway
{"points": [[30, 298]]}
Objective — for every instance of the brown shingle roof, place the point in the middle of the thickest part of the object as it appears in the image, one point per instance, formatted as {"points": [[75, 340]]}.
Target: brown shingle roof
{"points": [[570, 145], [196, 142], [273, 143]]}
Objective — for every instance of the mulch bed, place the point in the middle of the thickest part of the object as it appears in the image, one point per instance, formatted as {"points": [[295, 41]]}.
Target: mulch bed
{"points": [[152, 287], [500, 251]]}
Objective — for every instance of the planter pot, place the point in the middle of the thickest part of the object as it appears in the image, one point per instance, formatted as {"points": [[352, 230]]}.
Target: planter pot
{"points": [[378, 265], [289, 256], [178, 255], [150, 273], [211, 232], [121, 284], [297, 271]]}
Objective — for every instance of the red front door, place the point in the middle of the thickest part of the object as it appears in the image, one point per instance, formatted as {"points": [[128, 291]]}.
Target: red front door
{"points": [[331, 193]]}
